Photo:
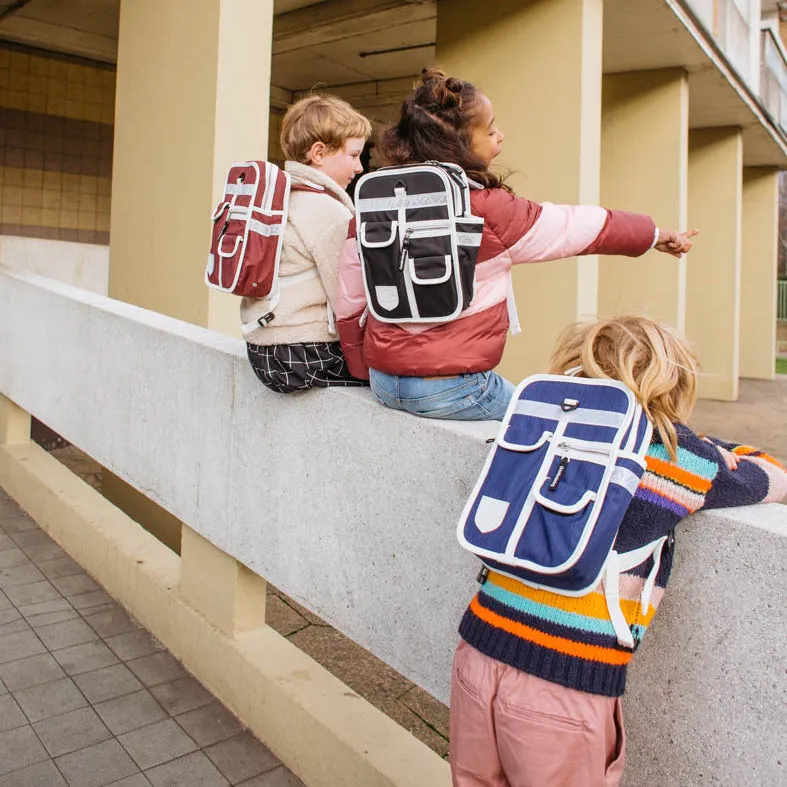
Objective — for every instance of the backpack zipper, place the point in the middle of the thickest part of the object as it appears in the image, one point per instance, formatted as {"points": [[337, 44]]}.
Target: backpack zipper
{"points": [[405, 245]]}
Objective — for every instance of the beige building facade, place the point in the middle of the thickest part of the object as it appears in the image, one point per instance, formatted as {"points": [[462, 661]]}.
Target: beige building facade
{"points": [[676, 109]]}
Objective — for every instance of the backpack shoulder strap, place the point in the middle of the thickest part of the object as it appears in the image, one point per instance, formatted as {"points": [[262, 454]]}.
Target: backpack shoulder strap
{"points": [[303, 186]]}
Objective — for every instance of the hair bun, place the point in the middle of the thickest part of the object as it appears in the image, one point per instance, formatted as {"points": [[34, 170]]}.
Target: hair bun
{"points": [[433, 72]]}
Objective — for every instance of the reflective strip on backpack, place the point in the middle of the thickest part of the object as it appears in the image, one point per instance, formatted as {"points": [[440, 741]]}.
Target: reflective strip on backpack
{"points": [[555, 412], [372, 205], [267, 230], [246, 189], [468, 238]]}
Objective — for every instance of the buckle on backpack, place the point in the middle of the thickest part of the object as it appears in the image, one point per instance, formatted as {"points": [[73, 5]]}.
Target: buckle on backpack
{"points": [[482, 575], [569, 404], [265, 319]]}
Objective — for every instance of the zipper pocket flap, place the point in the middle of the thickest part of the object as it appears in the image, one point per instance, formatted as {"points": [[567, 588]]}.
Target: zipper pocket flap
{"points": [[378, 234], [430, 270], [525, 447], [569, 506]]}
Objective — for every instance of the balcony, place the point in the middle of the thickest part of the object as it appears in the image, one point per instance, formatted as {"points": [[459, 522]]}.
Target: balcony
{"points": [[730, 24], [773, 77]]}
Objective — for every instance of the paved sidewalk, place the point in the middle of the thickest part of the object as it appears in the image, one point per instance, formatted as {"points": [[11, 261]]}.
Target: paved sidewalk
{"points": [[87, 698], [758, 418]]}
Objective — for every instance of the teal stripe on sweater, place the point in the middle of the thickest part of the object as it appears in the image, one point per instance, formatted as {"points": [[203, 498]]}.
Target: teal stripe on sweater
{"points": [[704, 468], [549, 614]]}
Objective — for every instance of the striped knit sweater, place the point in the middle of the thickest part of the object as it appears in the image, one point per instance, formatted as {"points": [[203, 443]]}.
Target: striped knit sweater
{"points": [[571, 641]]}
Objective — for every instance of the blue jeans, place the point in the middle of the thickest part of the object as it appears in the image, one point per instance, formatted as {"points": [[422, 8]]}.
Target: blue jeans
{"points": [[483, 396]]}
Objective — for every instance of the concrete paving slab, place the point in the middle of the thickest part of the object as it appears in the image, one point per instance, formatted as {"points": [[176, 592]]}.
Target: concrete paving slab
{"points": [[71, 731], [194, 769], [43, 774], [133, 645], [130, 712], [241, 758], [97, 765], [107, 683], [157, 743], [110, 622], [50, 699], [181, 695], [210, 724], [85, 658]]}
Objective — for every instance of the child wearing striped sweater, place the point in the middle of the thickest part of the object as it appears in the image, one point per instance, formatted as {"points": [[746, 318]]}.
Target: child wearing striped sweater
{"points": [[538, 677]]}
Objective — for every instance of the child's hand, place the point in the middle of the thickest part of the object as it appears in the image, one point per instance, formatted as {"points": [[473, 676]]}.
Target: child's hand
{"points": [[730, 459], [675, 243]]}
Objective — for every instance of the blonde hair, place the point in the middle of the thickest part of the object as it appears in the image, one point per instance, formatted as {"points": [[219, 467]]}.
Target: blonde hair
{"points": [[648, 356], [320, 118]]}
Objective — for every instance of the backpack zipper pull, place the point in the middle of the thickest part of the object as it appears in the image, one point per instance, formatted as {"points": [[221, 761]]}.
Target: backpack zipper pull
{"points": [[405, 246], [561, 468]]}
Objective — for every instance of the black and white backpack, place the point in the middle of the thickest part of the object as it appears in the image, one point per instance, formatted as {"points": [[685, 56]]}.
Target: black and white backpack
{"points": [[418, 242]]}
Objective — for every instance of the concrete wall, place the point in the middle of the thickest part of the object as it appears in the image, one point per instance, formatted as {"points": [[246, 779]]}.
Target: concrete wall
{"points": [[84, 265], [316, 493]]}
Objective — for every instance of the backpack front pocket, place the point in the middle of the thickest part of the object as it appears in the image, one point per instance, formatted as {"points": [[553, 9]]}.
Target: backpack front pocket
{"points": [[378, 234], [430, 270]]}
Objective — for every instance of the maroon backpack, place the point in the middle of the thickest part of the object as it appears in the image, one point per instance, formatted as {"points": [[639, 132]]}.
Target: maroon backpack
{"points": [[248, 230]]}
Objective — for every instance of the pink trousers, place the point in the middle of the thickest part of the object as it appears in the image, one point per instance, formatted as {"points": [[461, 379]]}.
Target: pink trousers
{"points": [[512, 729]]}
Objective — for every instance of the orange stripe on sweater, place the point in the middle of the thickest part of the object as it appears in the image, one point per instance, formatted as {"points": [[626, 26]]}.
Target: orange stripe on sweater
{"points": [[678, 474], [559, 644], [747, 450], [592, 605]]}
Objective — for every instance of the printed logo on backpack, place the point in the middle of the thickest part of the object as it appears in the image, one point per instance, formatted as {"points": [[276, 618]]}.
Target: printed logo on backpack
{"points": [[548, 504], [418, 242]]}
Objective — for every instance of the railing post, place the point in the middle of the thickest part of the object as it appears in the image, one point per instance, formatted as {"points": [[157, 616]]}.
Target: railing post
{"points": [[226, 592], [14, 423]]}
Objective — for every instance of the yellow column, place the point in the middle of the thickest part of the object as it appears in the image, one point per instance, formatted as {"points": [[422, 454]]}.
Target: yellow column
{"points": [[714, 266], [14, 423], [540, 65], [193, 87], [759, 262], [644, 155], [230, 595]]}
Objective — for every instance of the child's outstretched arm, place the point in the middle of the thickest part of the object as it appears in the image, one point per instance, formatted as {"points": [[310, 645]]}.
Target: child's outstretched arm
{"points": [[745, 476], [539, 232]]}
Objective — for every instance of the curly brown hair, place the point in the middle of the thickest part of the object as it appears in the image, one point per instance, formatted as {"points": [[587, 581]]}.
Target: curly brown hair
{"points": [[436, 124]]}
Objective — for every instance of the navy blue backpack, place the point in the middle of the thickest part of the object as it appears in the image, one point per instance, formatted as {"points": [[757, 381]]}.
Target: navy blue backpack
{"points": [[549, 501]]}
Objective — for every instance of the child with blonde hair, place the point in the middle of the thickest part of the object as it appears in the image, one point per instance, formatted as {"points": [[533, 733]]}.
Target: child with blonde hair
{"points": [[322, 137], [538, 677]]}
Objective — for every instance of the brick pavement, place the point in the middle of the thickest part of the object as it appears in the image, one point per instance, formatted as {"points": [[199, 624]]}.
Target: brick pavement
{"points": [[88, 699]]}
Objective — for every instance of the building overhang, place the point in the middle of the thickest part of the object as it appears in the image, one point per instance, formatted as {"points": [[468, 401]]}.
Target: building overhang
{"points": [[666, 34]]}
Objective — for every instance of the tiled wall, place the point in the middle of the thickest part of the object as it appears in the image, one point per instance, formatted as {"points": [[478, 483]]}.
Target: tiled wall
{"points": [[56, 131]]}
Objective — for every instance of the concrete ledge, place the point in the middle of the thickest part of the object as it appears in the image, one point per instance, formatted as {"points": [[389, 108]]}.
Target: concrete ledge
{"points": [[317, 726], [84, 265], [351, 509]]}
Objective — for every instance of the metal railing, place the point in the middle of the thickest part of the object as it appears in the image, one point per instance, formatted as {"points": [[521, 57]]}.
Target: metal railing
{"points": [[773, 78], [781, 301]]}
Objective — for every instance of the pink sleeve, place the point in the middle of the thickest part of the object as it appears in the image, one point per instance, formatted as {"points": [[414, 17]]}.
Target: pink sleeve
{"points": [[533, 232], [351, 294], [350, 306]]}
